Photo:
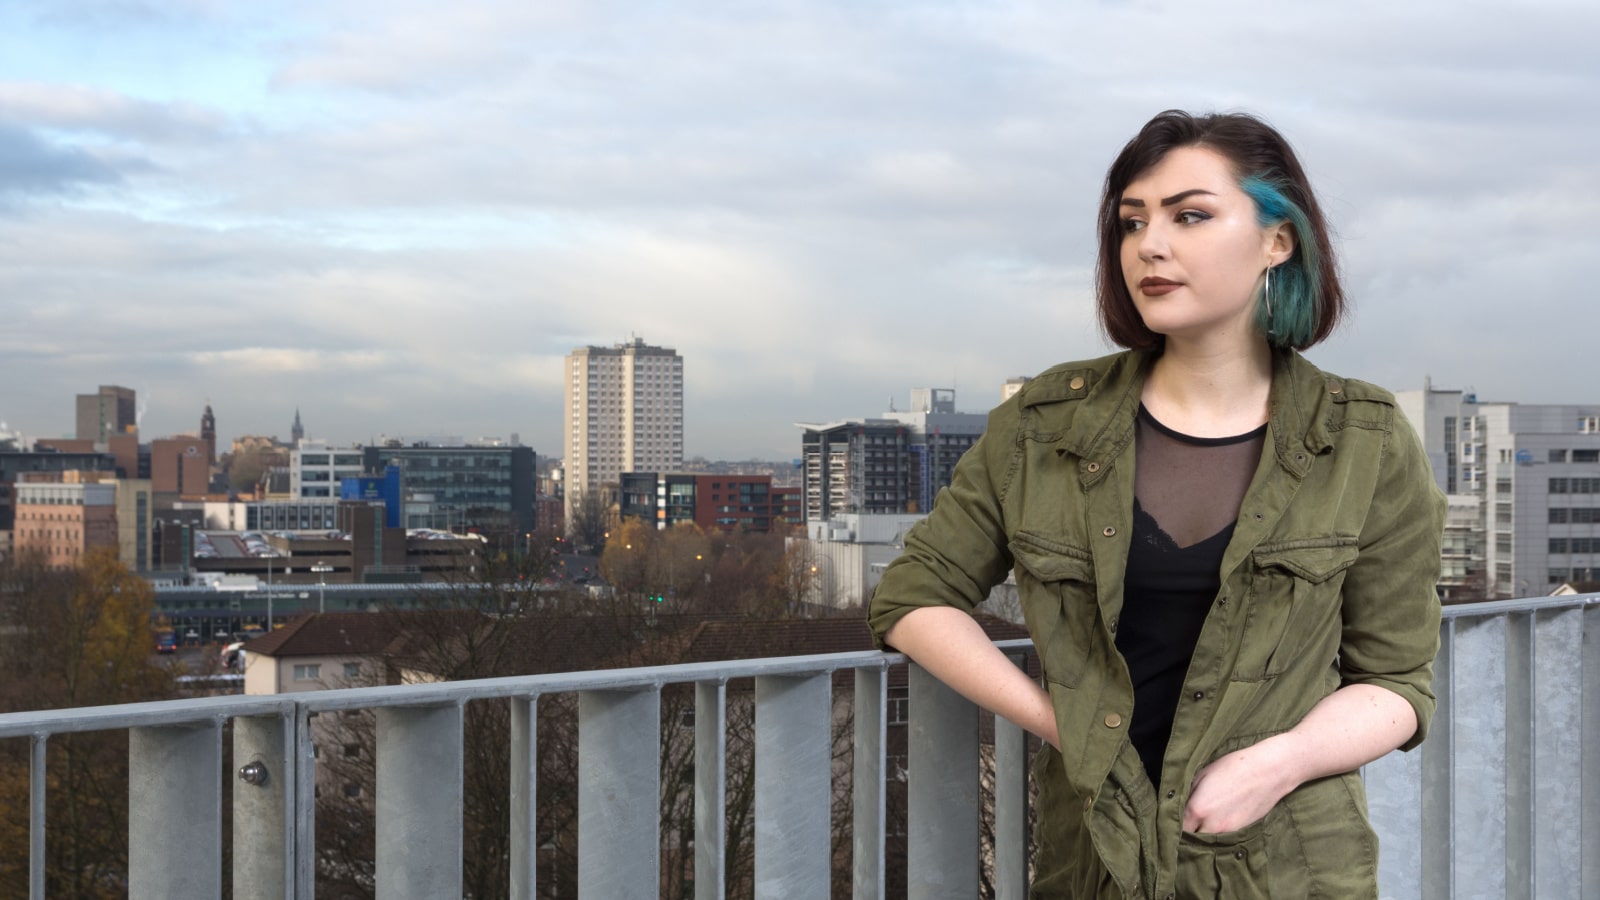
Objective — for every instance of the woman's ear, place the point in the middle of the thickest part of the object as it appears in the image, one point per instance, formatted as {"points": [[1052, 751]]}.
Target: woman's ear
{"points": [[1280, 243]]}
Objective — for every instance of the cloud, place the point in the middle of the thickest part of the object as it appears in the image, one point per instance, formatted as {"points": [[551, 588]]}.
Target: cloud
{"points": [[400, 218], [32, 167]]}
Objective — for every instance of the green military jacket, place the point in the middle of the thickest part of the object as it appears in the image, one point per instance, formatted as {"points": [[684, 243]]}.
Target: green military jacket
{"points": [[1329, 580]]}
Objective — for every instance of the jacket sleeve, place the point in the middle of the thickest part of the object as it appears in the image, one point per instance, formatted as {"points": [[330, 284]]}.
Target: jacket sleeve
{"points": [[955, 555], [1391, 605]]}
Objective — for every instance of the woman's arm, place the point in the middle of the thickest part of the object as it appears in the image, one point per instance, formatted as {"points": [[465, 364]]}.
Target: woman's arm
{"points": [[1391, 634], [952, 646], [1346, 730]]}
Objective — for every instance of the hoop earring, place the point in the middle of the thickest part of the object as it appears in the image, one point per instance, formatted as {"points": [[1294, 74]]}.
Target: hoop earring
{"points": [[1266, 297]]}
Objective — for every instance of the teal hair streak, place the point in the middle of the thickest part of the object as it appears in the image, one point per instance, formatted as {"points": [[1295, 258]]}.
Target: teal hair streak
{"points": [[1293, 319]]}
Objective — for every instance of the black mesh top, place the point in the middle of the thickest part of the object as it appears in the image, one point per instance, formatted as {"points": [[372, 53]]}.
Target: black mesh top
{"points": [[1187, 493]]}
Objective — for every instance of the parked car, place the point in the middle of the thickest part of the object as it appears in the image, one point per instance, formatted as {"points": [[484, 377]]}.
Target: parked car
{"points": [[233, 656], [166, 641]]}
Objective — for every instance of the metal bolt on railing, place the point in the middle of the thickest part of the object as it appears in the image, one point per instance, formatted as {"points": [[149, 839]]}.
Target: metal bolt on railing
{"points": [[253, 773]]}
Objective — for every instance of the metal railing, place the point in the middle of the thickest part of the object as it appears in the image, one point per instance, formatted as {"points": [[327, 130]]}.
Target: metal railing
{"points": [[1502, 800]]}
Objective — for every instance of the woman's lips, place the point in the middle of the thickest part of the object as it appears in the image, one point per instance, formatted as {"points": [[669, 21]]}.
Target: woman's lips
{"points": [[1156, 287]]}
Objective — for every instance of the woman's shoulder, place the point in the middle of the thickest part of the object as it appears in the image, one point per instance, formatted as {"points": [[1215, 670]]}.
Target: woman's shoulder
{"points": [[1339, 389]]}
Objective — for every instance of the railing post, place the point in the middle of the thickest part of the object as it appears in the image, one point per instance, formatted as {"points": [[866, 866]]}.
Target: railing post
{"points": [[942, 805], [619, 793], [1479, 772], [1558, 712], [1590, 727], [263, 795], [304, 806], [524, 797], [710, 789], [175, 812], [794, 786], [868, 821], [419, 802], [1521, 719], [1437, 833], [1010, 808], [37, 785]]}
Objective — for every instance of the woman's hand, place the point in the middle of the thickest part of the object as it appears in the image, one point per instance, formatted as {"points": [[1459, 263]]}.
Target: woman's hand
{"points": [[1345, 730], [1241, 788]]}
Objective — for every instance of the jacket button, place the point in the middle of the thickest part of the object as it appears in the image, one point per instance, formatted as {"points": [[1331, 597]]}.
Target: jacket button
{"points": [[1171, 794], [1092, 468], [1110, 531], [1076, 383], [1238, 854], [1334, 389], [1113, 720], [1113, 626], [1088, 804], [1199, 695]]}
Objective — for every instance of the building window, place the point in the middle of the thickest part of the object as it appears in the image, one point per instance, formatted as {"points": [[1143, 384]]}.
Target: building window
{"points": [[1558, 456], [1586, 456], [1558, 485], [352, 670], [1558, 515], [1502, 485], [307, 672], [352, 790], [1558, 545]]}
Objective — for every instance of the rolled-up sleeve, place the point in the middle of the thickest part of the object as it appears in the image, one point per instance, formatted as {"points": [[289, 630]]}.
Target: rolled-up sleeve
{"points": [[1390, 606], [955, 555]]}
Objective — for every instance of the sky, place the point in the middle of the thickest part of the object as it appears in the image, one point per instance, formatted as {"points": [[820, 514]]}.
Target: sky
{"points": [[399, 216]]}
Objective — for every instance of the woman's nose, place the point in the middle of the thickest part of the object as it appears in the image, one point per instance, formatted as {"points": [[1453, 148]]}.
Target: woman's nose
{"points": [[1152, 243]]}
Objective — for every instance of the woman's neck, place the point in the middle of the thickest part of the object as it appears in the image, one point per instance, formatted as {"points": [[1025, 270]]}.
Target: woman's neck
{"points": [[1210, 392]]}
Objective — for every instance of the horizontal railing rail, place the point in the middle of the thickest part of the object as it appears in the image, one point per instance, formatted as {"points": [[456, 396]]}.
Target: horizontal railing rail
{"points": [[1503, 799]]}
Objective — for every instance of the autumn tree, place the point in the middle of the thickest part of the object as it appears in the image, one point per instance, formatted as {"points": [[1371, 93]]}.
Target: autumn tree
{"points": [[70, 638]]}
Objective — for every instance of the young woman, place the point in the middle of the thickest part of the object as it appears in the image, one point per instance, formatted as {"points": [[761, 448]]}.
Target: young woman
{"points": [[1226, 557]]}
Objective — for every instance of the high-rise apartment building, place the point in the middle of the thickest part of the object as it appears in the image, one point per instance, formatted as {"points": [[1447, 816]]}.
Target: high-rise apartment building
{"points": [[1524, 486], [111, 411], [896, 463], [623, 413]]}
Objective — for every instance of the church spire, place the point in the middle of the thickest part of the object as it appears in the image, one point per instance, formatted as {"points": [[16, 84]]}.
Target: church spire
{"points": [[298, 432]]}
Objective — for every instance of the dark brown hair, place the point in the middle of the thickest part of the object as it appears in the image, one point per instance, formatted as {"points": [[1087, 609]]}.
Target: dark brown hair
{"points": [[1260, 156]]}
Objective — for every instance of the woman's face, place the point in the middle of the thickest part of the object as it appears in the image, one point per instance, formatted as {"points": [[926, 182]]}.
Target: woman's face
{"points": [[1192, 253]]}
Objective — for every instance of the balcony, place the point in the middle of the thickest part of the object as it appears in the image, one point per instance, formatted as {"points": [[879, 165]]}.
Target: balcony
{"points": [[1503, 800]]}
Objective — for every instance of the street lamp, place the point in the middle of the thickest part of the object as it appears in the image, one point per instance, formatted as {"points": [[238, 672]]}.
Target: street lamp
{"points": [[322, 570]]}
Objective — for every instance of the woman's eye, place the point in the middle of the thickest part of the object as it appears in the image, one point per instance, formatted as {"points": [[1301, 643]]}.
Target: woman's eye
{"points": [[1192, 217], [1129, 226]]}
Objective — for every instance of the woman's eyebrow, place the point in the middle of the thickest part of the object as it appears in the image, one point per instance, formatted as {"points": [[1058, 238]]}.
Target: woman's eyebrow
{"points": [[1168, 201]]}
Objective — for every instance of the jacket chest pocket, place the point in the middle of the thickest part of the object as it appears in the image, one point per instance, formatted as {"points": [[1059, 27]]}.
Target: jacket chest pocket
{"points": [[1295, 598], [1057, 590]]}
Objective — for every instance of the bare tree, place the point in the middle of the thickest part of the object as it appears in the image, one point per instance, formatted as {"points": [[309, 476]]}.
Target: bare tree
{"points": [[589, 520]]}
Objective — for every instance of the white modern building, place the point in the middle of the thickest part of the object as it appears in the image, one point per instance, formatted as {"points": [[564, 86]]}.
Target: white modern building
{"points": [[846, 555], [316, 469], [1527, 476], [623, 412]]}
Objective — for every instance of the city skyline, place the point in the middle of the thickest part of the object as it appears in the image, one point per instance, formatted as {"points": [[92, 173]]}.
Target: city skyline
{"points": [[400, 219]]}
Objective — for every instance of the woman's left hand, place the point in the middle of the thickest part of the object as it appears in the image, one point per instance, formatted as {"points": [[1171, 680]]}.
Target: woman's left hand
{"points": [[1241, 788]]}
